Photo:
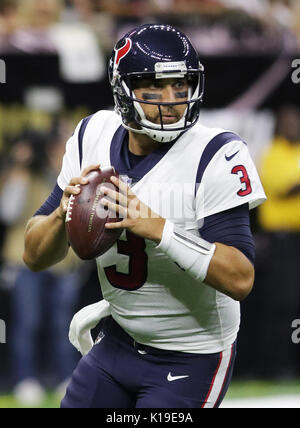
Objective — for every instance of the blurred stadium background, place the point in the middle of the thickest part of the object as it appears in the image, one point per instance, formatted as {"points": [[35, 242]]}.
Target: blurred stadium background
{"points": [[56, 54]]}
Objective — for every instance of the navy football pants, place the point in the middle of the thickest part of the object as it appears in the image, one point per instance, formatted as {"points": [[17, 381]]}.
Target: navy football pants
{"points": [[118, 373]]}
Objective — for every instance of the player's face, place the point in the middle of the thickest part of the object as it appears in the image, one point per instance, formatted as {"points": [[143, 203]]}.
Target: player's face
{"points": [[163, 91]]}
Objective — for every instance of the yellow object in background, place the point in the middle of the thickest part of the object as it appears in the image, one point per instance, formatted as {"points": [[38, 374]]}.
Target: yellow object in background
{"points": [[280, 172]]}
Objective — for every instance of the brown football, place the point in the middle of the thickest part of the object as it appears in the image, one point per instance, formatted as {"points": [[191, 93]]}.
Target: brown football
{"points": [[86, 217]]}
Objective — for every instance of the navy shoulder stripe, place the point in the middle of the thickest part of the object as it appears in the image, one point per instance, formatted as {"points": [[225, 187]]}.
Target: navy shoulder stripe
{"points": [[81, 135], [210, 150]]}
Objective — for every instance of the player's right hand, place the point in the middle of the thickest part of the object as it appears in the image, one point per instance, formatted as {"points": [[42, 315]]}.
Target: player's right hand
{"points": [[74, 189]]}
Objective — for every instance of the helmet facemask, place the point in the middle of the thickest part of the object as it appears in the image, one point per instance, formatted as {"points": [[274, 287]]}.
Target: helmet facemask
{"points": [[130, 107]]}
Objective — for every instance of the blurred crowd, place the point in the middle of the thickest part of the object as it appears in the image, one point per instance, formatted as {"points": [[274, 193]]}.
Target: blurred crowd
{"points": [[216, 26], [48, 298]]}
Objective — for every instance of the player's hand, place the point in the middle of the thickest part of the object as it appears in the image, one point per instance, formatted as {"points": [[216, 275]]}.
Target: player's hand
{"points": [[137, 217], [73, 189]]}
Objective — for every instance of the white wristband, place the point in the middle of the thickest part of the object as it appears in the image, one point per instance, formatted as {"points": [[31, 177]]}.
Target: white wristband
{"points": [[190, 252]]}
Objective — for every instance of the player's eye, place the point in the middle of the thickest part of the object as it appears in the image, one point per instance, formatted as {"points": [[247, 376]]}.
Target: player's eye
{"points": [[154, 86], [180, 84]]}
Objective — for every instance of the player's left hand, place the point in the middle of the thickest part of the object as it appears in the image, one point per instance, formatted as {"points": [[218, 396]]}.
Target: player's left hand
{"points": [[137, 217]]}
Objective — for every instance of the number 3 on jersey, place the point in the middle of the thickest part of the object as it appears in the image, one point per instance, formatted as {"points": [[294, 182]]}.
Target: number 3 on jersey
{"points": [[241, 171], [134, 248]]}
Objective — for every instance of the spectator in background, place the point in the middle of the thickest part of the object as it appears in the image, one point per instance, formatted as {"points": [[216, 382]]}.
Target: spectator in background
{"points": [[280, 219], [8, 25], [36, 17], [287, 14], [97, 18], [224, 27], [25, 25], [48, 297], [127, 14], [217, 26], [41, 30], [81, 56], [281, 13]]}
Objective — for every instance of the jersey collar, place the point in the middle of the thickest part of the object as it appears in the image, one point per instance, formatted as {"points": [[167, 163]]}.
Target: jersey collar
{"points": [[119, 156]]}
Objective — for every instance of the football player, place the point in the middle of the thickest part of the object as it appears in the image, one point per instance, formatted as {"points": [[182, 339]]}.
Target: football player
{"points": [[173, 281]]}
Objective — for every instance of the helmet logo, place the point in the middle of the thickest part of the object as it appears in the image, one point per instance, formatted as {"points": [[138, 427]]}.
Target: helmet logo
{"points": [[122, 52]]}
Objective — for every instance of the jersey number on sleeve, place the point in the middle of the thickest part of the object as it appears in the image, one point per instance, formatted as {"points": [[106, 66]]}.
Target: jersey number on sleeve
{"points": [[134, 248], [241, 171]]}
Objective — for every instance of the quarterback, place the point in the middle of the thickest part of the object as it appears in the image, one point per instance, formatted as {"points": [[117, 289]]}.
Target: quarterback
{"points": [[173, 281]]}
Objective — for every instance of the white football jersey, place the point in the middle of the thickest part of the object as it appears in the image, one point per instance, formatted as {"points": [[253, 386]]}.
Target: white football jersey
{"points": [[205, 171]]}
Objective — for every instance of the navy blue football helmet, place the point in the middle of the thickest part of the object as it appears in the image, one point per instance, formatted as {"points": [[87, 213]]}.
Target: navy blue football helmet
{"points": [[157, 51]]}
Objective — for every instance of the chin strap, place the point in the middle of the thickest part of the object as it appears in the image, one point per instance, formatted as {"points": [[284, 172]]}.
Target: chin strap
{"points": [[156, 135]]}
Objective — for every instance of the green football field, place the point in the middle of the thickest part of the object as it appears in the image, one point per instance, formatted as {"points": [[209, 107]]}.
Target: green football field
{"points": [[238, 390]]}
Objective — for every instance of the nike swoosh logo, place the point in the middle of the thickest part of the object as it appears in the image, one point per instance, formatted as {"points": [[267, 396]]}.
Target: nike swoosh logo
{"points": [[172, 378], [228, 158]]}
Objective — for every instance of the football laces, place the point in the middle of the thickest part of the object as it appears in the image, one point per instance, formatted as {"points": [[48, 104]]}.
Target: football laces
{"points": [[70, 207]]}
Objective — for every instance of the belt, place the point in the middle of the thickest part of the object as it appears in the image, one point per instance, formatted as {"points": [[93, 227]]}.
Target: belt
{"points": [[114, 331]]}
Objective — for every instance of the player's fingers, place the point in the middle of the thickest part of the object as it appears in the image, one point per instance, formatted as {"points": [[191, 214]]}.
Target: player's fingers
{"points": [[115, 196], [78, 180], [82, 179], [125, 189], [72, 190], [116, 225], [64, 206], [89, 169], [119, 209]]}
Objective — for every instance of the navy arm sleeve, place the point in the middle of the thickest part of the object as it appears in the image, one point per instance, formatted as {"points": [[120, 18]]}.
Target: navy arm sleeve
{"points": [[231, 227], [52, 202]]}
